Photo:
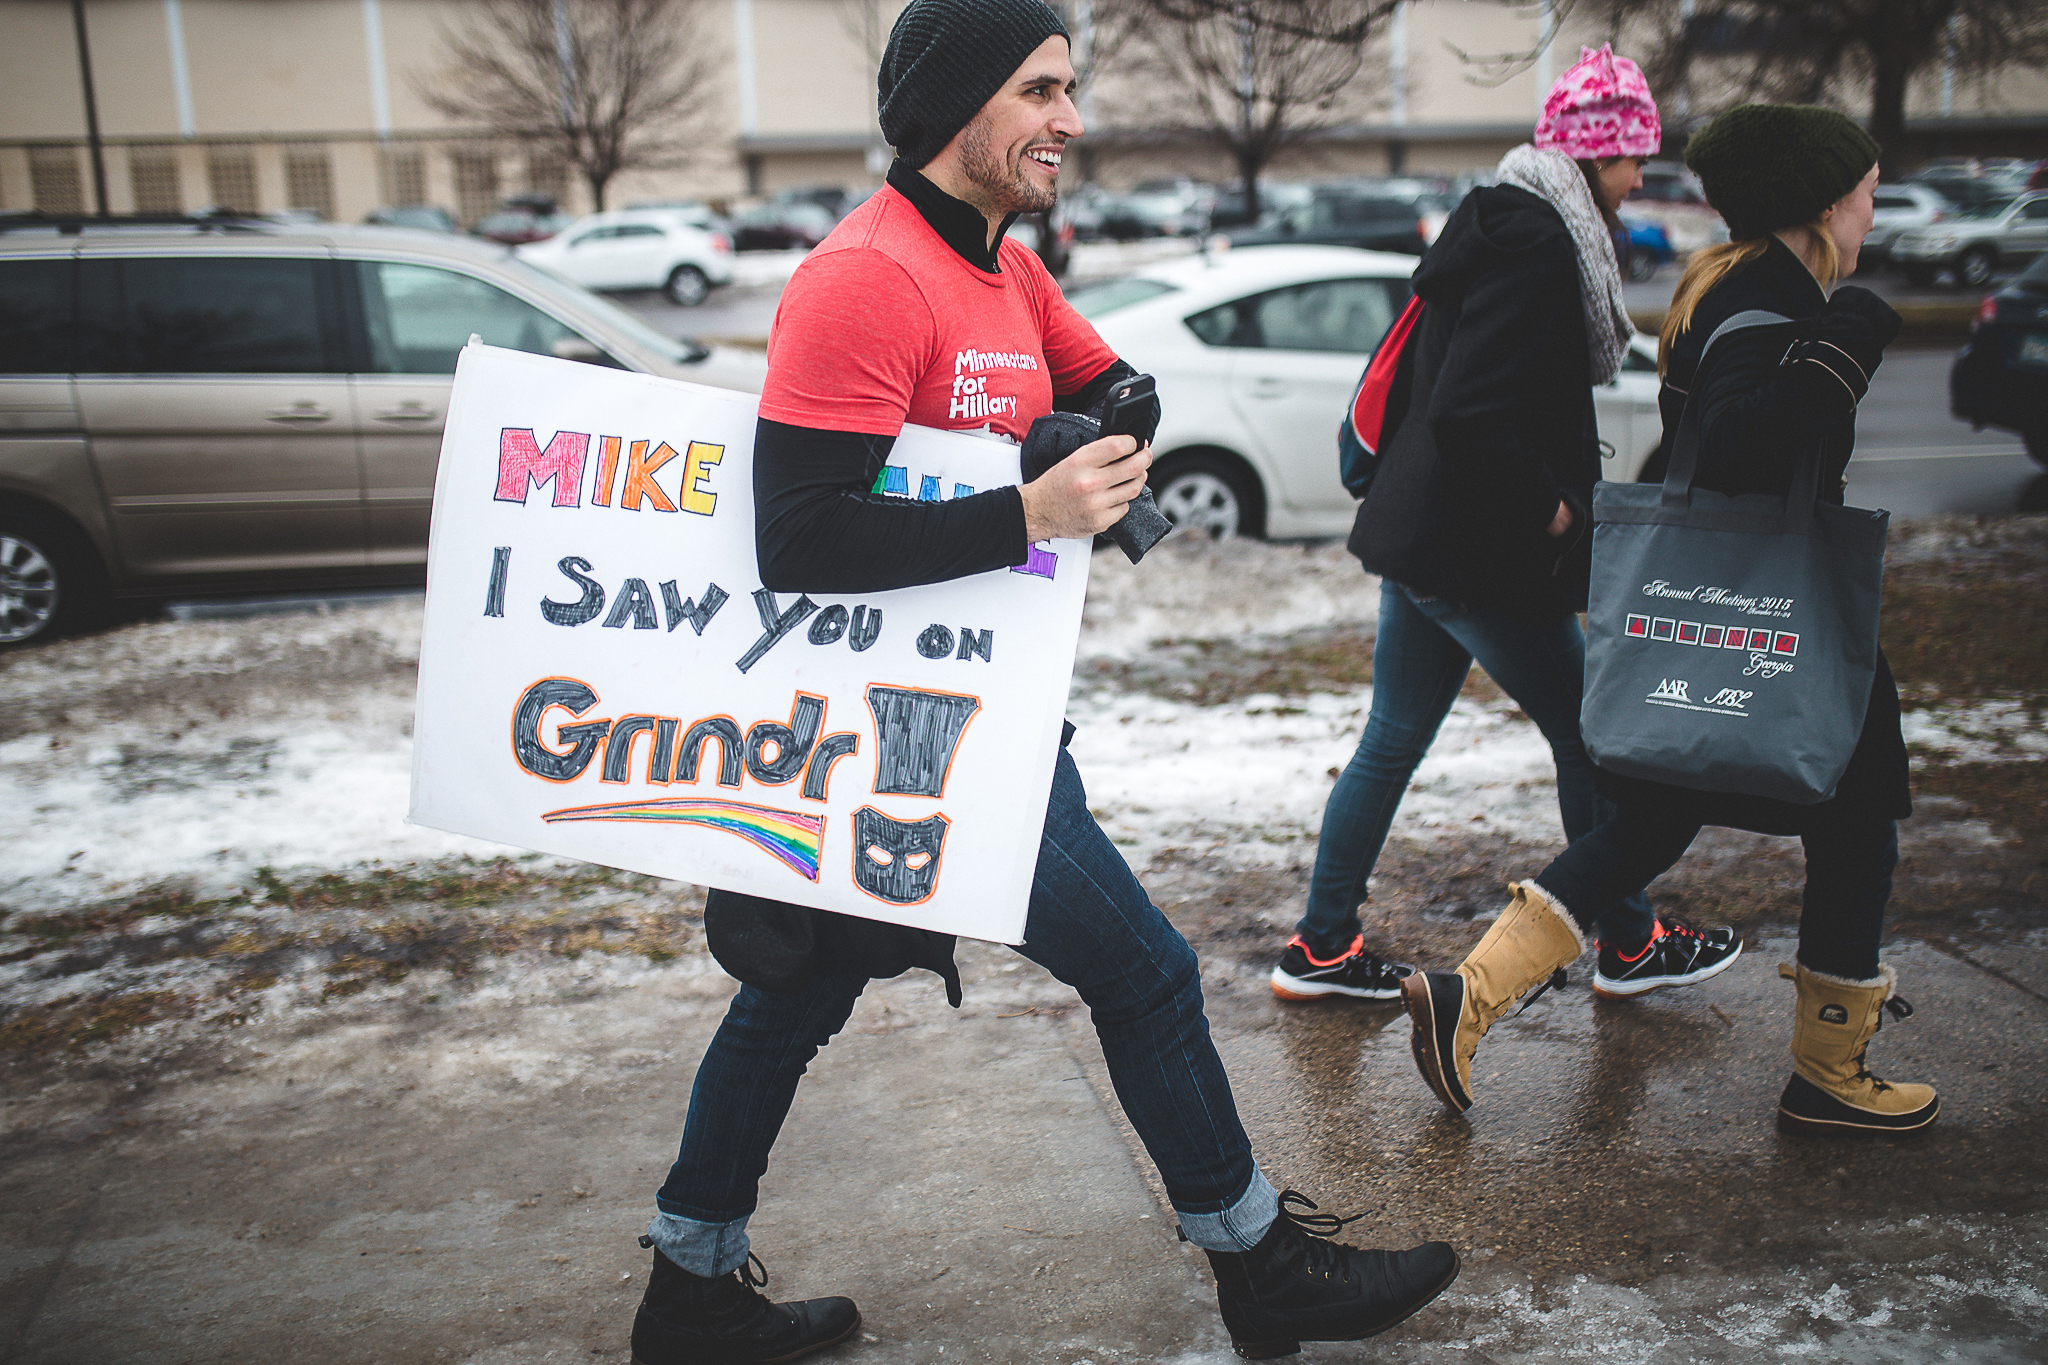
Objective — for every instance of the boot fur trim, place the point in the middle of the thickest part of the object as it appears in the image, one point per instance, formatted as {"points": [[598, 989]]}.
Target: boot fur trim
{"points": [[1886, 977], [1556, 907]]}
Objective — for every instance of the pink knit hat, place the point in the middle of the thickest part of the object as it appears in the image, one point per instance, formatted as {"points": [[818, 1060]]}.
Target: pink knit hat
{"points": [[1600, 108]]}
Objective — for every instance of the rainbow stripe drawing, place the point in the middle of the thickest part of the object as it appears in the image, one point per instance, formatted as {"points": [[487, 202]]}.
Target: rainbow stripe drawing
{"points": [[795, 838]]}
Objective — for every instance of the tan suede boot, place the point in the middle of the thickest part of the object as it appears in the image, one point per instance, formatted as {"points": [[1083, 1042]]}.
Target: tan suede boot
{"points": [[1533, 938], [1832, 1092]]}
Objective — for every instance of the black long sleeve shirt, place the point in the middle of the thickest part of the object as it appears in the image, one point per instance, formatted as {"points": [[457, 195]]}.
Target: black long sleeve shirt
{"points": [[818, 525]]}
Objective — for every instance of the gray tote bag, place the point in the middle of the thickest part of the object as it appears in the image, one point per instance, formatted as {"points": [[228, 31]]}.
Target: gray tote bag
{"points": [[1730, 639]]}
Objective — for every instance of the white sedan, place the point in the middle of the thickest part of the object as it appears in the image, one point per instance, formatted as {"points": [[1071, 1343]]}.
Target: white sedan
{"points": [[1257, 352], [666, 249]]}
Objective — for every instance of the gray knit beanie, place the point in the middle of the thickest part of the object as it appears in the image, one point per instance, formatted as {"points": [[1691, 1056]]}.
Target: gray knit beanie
{"points": [[1771, 166], [945, 59]]}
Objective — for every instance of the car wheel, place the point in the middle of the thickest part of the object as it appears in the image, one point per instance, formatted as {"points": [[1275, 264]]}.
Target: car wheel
{"points": [[2037, 445], [1208, 495], [1973, 267], [1919, 276], [687, 285], [50, 581]]}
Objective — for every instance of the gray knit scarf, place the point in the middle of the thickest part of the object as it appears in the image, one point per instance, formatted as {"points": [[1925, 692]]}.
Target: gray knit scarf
{"points": [[1556, 178]]}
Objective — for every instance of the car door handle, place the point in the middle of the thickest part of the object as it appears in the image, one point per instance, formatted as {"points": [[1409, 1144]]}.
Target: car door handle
{"points": [[1269, 388], [300, 412], [407, 412]]}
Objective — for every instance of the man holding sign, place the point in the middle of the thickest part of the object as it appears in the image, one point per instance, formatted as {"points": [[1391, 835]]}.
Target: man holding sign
{"points": [[917, 310]]}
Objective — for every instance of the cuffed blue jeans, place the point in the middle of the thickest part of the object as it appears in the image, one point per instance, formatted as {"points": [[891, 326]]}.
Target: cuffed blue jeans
{"points": [[1420, 657], [1849, 867], [1091, 925]]}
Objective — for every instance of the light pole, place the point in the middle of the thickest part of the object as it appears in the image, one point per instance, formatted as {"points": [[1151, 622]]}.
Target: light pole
{"points": [[92, 111]]}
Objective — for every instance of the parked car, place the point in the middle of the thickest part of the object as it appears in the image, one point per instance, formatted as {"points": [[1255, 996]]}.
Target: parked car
{"points": [[788, 225], [836, 200], [1668, 182], [1649, 246], [695, 212], [1969, 182], [243, 407], [1258, 352], [1975, 241], [1174, 207], [1229, 210], [1359, 216], [2000, 379], [639, 249], [517, 227], [1898, 207], [421, 217]]}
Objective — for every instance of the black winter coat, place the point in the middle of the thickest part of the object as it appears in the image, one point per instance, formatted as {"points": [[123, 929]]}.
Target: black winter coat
{"points": [[1496, 424], [1759, 411]]}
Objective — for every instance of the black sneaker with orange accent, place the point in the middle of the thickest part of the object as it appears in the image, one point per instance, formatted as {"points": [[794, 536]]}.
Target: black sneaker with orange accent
{"points": [[1356, 972], [1676, 955]]}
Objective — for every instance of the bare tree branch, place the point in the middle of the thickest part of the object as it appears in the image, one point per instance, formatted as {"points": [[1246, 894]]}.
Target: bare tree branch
{"points": [[614, 85], [1725, 52], [1253, 77]]}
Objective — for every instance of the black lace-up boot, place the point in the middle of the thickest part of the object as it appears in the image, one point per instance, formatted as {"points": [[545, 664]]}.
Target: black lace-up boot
{"points": [[687, 1319], [1297, 1286]]}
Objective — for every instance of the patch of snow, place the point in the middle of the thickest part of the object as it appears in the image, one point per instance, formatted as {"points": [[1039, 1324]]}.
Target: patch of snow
{"points": [[1190, 589], [1977, 733], [1247, 780]]}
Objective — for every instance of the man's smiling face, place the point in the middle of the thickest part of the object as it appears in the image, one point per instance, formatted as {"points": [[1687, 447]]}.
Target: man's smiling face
{"points": [[1009, 156]]}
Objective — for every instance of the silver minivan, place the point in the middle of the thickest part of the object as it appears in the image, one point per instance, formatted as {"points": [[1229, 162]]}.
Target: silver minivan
{"points": [[225, 406]]}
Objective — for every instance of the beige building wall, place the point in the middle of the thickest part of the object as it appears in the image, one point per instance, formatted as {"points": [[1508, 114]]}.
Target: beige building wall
{"points": [[322, 103]]}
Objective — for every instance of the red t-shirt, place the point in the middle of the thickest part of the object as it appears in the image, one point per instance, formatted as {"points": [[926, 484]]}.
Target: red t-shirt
{"points": [[884, 324]]}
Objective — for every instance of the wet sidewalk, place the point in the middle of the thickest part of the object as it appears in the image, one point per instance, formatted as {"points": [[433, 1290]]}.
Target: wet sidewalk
{"points": [[461, 1177]]}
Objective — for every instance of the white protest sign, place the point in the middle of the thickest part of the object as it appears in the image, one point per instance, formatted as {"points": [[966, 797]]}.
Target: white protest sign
{"points": [[604, 677]]}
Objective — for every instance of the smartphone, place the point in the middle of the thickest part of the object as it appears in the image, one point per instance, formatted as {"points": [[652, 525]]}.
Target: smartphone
{"points": [[1128, 406]]}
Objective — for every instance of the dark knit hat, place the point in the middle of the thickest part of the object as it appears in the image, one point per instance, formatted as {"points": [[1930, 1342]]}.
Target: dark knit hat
{"points": [[1771, 166], [945, 59]]}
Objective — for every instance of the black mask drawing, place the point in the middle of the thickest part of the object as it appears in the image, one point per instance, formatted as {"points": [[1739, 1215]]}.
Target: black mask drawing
{"points": [[896, 860]]}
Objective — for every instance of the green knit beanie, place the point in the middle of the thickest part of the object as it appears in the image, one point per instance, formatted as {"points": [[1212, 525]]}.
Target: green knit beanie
{"points": [[1771, 166]]}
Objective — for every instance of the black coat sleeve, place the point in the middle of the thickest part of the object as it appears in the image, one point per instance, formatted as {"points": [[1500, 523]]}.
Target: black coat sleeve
{"points": [[1761, 406], [819, 528]]}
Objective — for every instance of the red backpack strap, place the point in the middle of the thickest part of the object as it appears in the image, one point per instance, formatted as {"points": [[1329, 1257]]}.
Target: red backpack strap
{"points": [[1369, 404]]}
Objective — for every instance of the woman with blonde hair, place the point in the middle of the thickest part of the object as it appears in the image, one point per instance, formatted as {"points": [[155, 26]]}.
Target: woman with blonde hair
{"points": [[1795, 185]]}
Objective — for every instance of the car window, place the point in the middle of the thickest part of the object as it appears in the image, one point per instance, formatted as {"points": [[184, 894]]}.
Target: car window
{"points": [[2037, 209], [1098, 299], [596, 234], [206, 315], [1350, 211], [1895, 201], [419, 317], [1342, 316], [1329, 315], [614, 319], [636, 230], [35, 316]]}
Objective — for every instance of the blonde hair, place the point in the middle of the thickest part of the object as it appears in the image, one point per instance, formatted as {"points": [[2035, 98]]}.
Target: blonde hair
{"points": [[1708, 267]]}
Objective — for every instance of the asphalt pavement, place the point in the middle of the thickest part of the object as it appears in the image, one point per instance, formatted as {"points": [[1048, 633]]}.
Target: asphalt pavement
{"points": [[463, 1182]]}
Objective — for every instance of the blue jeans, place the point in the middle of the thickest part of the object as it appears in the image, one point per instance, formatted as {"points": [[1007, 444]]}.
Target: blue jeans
{"points": [[1848, 879], [1091, 925], [1419, 661]]}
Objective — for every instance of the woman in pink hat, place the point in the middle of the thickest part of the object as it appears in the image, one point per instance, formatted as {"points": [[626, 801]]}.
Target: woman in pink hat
{"points": [[1477, 519]]}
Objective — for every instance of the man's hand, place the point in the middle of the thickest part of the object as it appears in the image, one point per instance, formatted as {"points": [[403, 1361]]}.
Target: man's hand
{"points": [[1562, 522], [1086, 493]]}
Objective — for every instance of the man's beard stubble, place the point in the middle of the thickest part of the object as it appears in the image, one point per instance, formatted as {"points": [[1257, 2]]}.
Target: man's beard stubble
{"points": [[1009, 191]]}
